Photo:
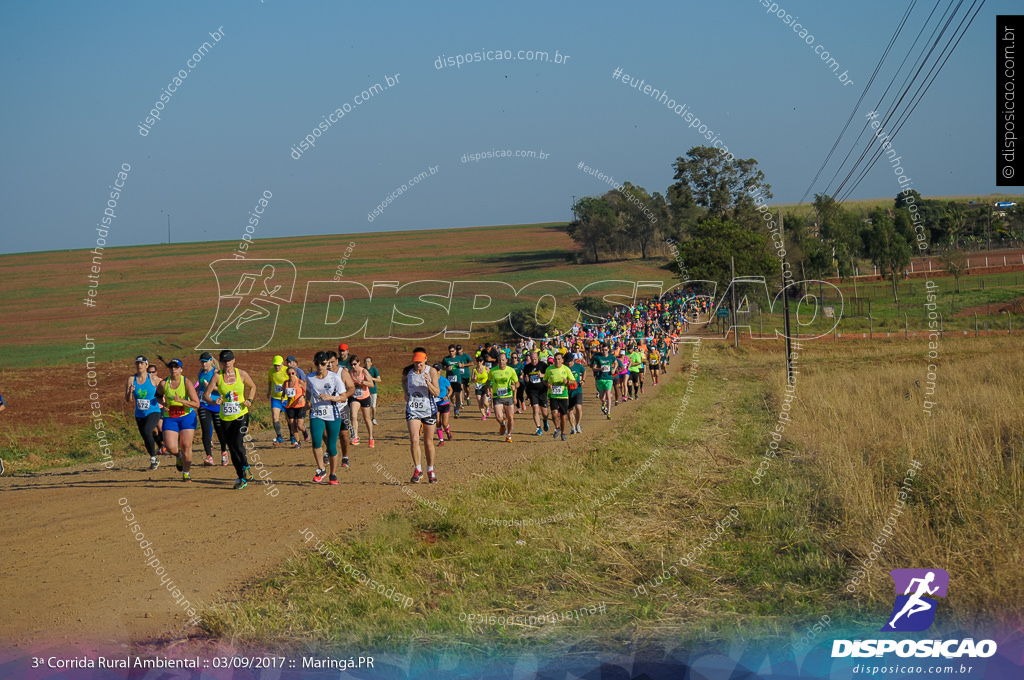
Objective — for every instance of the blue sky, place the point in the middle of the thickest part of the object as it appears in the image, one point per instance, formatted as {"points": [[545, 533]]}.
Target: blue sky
{"points": [[78, 79]]}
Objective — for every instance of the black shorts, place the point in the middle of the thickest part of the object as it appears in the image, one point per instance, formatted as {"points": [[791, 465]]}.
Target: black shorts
{"points": [[428, 420], [444, 408], [560, 405], [456, 385], [364, 403], [576, 399], [655, 367], [537, 397], [295, 413], [346, 419], [634, 376]]}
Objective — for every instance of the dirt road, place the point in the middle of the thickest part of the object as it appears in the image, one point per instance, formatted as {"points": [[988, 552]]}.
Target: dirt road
{"points": [[73, 573]]}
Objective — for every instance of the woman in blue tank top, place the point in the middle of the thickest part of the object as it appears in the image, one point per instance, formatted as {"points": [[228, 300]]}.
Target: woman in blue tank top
{"points": [[141, 389], [209, 414]]}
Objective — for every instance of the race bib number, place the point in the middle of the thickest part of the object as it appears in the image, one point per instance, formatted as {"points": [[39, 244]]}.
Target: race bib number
{"points": [[321, 411], [142, 404], [480, 386], [358, 393], [418, 403], [289, 392], [231, 408], [557, 390], [452, 373], [535, 379], [606, 368], [488, 365], [502, 391], [278, 389]]}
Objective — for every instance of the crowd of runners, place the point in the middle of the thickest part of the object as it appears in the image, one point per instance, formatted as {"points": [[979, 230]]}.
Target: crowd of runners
{"points": [[541, 381]]}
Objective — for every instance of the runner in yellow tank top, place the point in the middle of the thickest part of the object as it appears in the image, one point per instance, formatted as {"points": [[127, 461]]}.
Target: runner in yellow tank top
{"points": [[234, 411]]}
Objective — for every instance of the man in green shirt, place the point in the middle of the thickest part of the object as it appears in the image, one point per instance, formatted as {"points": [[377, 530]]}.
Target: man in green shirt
{"points": [[504, 381], [604, 366], [452, 365], [579, 372], [466, 362], [559, 380]]}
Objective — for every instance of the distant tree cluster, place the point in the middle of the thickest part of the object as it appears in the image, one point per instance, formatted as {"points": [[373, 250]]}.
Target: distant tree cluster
{"points": [[714, 213]]}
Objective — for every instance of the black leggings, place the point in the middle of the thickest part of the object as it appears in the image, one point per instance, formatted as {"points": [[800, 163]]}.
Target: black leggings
{"points": [[234, 434], [210, 423], [146, 427]]}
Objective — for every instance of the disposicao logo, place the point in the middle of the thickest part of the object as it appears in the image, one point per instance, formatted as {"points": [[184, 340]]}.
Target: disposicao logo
{"points": [[914, 611]]}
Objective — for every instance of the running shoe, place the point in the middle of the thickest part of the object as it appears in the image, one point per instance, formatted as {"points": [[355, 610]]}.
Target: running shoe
{"points": [[223, 459], [431, 477], [417, 475], [373, 420], [153, 463], [354, 441], [319, 476], [163, 451], [305, 436], [555, 435], [178, 463], [185, 477], [278, 440], [641, 390], [501, 428], [440, 442], [333, 480], [456, 413], [488, 410], [297, 445], [609, 415], [579, 429], [370, 443], [344, 461], [563, 437], [539, 433], [241, 483], [545, 424], [448, 433], [294, 442], [508, 438], [208, 461], [248, 474], [604, 409], [483, 418]]}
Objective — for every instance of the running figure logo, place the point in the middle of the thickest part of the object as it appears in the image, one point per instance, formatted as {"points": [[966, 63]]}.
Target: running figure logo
{"points": [[247, 316], [915, 611]]}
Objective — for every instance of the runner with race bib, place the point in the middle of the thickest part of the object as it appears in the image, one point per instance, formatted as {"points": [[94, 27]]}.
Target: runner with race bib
{"points": [[559, 381], [420, 386], [504, 381], [234, 411], [325, 390], [141, 388]]}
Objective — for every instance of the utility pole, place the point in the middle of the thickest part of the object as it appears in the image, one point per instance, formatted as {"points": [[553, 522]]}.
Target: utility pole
{"points": [[168, 228], [785, 311], [735, 317]]}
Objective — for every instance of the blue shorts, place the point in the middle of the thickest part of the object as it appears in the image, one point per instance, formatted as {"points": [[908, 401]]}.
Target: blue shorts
{"points": [[277, 403], [185, 422]]}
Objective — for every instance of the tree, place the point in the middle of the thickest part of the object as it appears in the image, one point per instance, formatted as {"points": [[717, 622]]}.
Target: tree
{"points": [[594, 226], [713, 242], [887, 248], [636, 212], [954, 263], [715, 183]]}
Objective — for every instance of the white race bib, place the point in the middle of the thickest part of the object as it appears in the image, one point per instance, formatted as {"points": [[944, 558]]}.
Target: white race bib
{"points": [[358, 393], [557, 390], [289, 391], [535, 379], [480, 386], [278, 389], [502, 391], [606, 368], [418, 403], [321, 411], [142, 404], [231, 408]]}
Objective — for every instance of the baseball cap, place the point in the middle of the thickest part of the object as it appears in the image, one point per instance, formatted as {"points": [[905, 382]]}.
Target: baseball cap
{"points": [[291, 358], [458, 347], [226, 355], [175, 362], [342, 347], [278, 360], [142, 359], [206, 356]]}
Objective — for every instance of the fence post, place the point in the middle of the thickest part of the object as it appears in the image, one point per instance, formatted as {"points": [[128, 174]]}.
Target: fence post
{"points": [[975, 324]]}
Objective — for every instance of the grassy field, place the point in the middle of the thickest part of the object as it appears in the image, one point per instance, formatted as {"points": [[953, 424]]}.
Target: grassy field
{"points": [[637, 517]]}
